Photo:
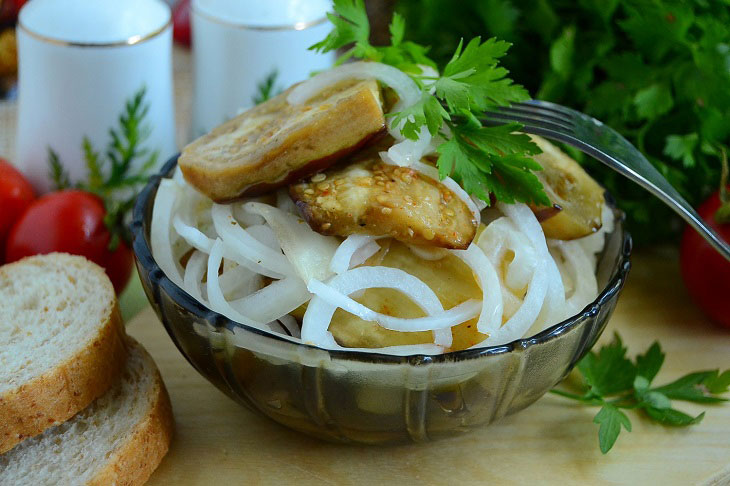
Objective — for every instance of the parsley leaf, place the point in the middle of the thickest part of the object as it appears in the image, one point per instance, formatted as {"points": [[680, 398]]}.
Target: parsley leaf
{"points": [[609, 371], [351, 25], [610, 420], [614, 382], [266, 88], [652, 69], [488, 162]]}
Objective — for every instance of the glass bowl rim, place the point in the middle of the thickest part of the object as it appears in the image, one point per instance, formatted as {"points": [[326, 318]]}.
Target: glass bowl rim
{"points": [[143, 254]]}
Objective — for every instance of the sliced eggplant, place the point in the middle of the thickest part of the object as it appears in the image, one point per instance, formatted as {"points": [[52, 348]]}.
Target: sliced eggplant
{"points": [[451, 280], [373, 198], [577, 199], [275, 143]]}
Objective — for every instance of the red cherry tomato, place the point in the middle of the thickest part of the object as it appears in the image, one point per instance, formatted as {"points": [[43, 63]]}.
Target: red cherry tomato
{"points": [[71, 222], [705, 272], [181, 22], [16, 194]]}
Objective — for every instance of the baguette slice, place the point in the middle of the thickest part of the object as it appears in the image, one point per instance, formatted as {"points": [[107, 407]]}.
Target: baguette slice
{"points": [[275, 143], [61, 342], [119, 439]]}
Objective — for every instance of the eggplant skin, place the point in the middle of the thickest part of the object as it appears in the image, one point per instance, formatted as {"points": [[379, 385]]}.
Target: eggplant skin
{"points": [[577, 200], [275, 143], [372, 198]]}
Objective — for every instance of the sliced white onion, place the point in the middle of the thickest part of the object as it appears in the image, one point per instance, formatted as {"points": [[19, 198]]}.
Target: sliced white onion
{"points": [[284, 202], [335, 293], [273, 301], [406, 89], [194, 271], [161, 228], [364, 253], [438, 320], [343, 256], [265, 235], [407, 152], [192, 235], [490, 316], [215, 294], [291, 325], [239, 280], [430, 253], [244, 245], [580, 266], [306, 251]]}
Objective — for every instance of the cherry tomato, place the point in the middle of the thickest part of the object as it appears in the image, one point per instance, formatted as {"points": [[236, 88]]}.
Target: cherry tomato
{"points": [[72, 222], [16, 194], [705, 272], [181, 22]]}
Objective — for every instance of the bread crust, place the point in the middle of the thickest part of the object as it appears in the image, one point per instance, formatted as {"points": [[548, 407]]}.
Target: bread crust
{"points": [[134, 462], [57, 395]]}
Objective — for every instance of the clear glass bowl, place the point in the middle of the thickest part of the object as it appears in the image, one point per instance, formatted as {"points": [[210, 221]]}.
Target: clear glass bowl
{"points": [[373, 398]]}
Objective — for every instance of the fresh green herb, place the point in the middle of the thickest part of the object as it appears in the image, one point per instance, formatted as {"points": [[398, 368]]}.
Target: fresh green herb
{"points": [[112, 178], [655, 70], [266, 88], [487, 161], [614, 382]]}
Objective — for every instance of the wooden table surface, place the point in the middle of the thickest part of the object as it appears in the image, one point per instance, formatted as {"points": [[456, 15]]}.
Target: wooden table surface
{"points": [[551, 442]]}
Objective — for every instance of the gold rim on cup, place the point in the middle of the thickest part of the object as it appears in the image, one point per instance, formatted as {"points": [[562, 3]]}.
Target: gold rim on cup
{"points": [[130, 41], [295, 26]]}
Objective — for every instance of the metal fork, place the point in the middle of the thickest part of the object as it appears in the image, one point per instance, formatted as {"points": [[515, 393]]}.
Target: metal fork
{"points": [[609, 147]]}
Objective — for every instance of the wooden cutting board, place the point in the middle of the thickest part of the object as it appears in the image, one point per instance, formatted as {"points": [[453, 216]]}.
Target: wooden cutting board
{"points": [[551, 442]]}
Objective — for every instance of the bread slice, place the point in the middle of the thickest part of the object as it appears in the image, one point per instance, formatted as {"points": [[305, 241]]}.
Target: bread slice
{"points": [[61, 342], [119, 439], [275, 143]]}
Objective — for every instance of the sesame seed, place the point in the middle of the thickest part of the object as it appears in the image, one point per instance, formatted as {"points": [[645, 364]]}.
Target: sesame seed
{"points": [[386, 210], [429, 234], [323, 186], [411, 232], [309, 192], [326, 226], [381, 199], [319, 177]]}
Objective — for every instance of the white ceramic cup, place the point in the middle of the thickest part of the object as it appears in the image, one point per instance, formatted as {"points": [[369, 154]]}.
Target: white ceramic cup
{"points": [[79, 62], [237, 44]]}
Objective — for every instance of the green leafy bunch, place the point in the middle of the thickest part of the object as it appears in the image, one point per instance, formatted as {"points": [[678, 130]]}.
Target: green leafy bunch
{"points": [[614, 382], [114, 178], [658, 71], [485, 160]]}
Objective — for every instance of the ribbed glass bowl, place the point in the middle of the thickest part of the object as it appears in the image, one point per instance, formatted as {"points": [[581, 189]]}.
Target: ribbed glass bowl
{"points": [[373, 398]]}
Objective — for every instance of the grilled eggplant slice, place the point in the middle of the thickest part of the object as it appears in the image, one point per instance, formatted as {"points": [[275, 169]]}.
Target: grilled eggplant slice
{"points": [[451, 280], [373, 198], [275, 143], [577, 199]]}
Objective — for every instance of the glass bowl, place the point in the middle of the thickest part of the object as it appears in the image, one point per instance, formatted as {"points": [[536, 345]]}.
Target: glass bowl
{"points": [[348, 396]]}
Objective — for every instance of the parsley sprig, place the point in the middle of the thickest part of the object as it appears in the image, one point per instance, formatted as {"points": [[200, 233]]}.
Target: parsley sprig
{"points": [[113, 178], [614, 382], [266, 88], [485, 160]]}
